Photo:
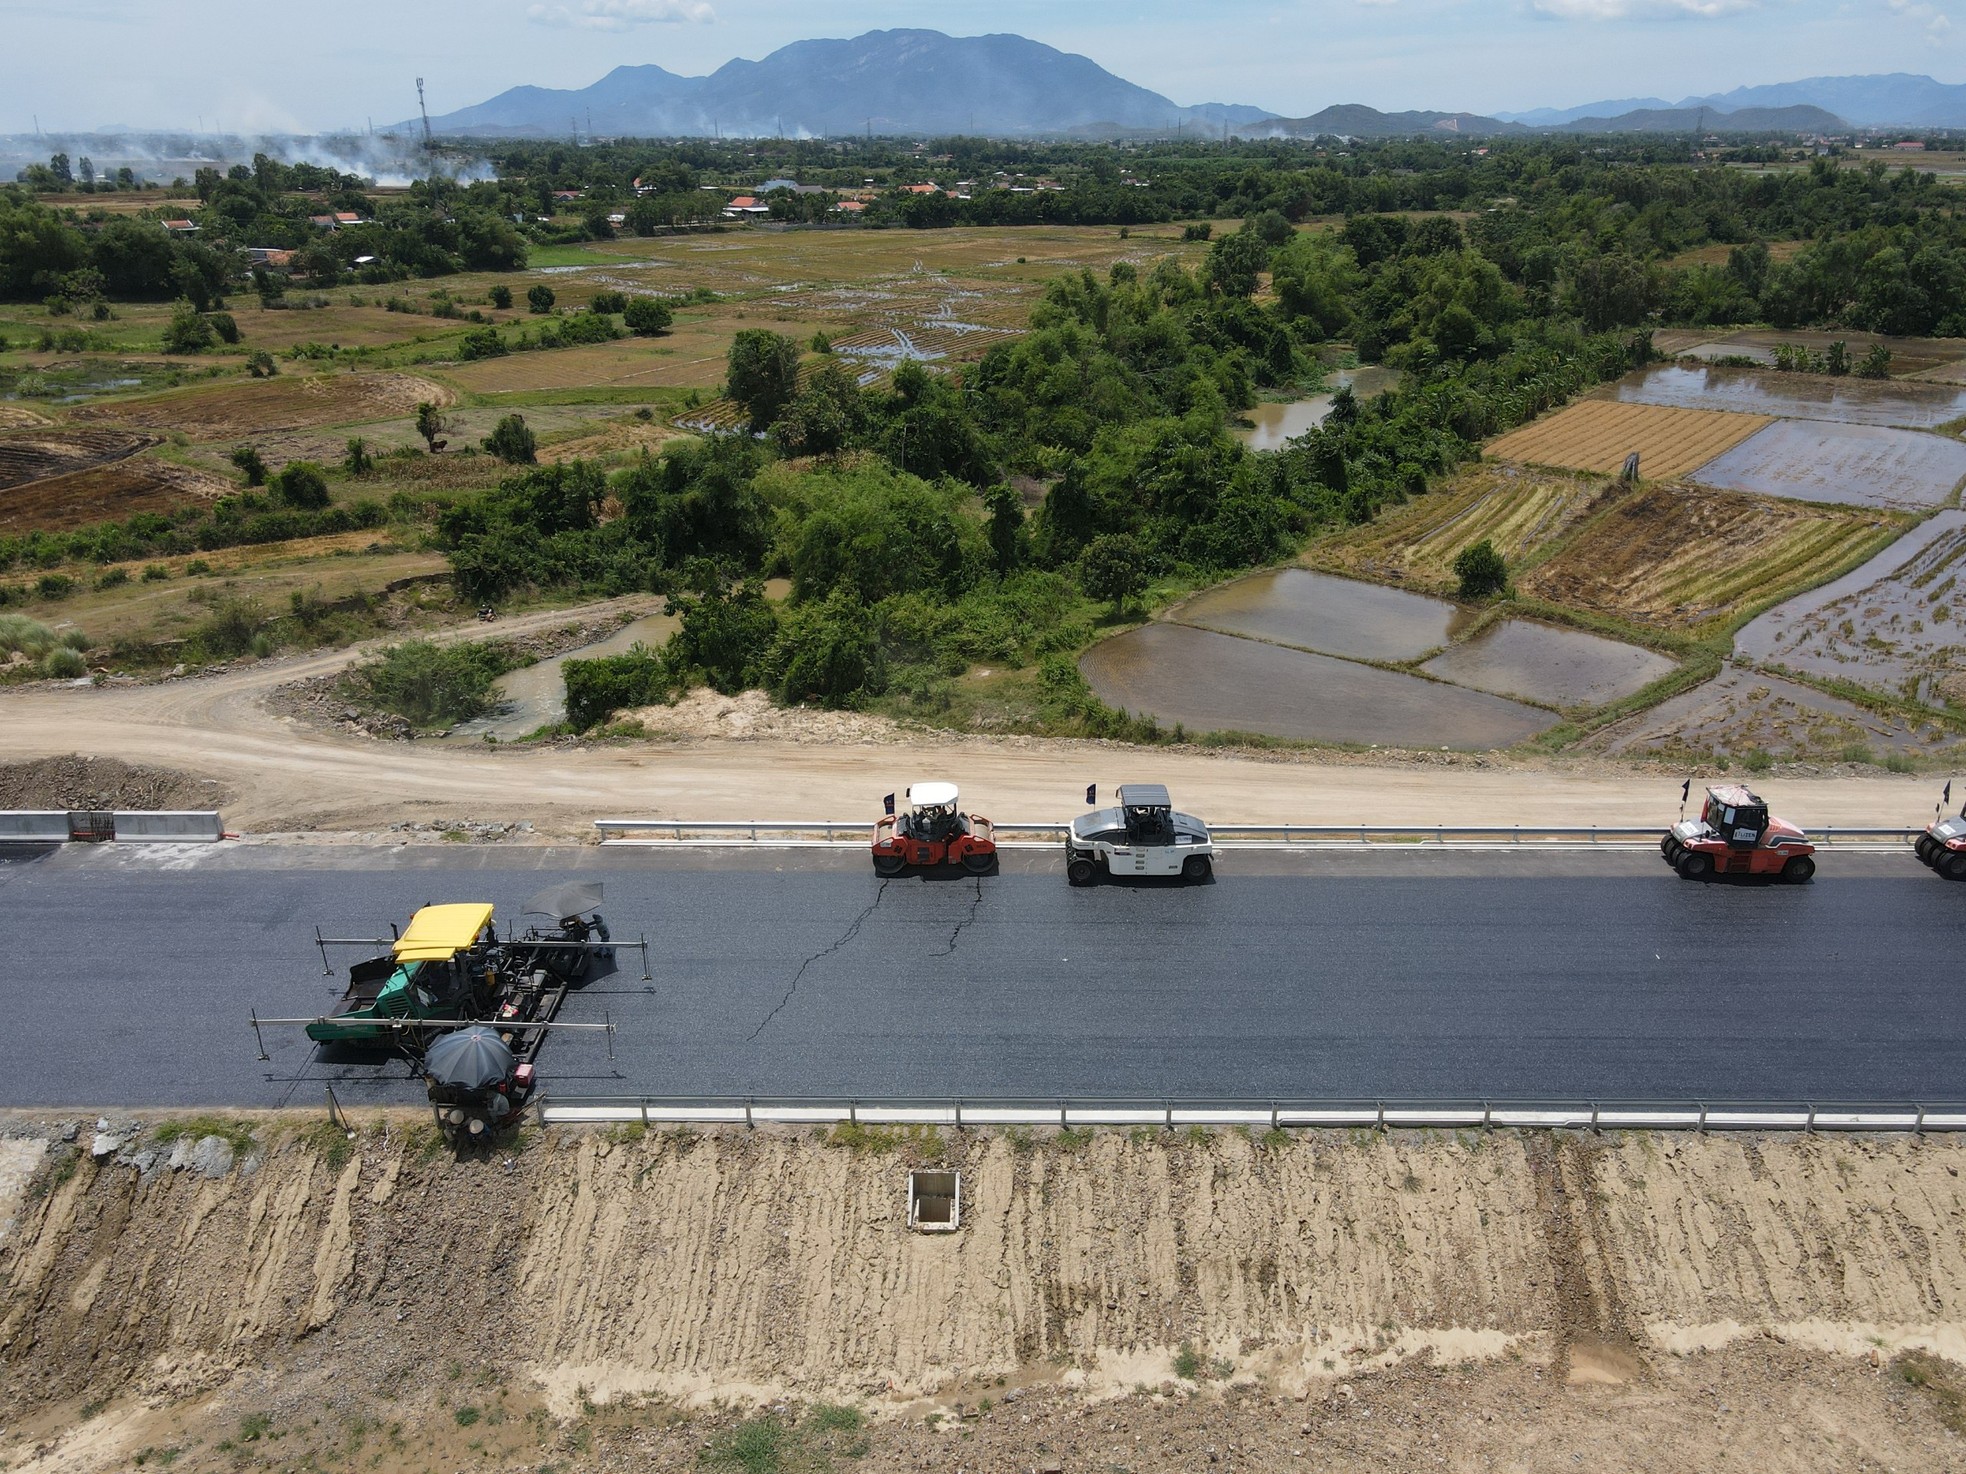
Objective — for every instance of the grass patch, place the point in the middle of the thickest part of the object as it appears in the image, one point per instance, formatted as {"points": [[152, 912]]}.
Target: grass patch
{"points": [[236, 1134], [857, 1136], [1189, 1365], [329, 1142], [1939, 1381]]}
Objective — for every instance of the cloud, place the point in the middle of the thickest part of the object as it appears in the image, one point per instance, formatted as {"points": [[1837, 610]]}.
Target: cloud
{"points": [[1642, 9], [620, 15], [1936, 22]]}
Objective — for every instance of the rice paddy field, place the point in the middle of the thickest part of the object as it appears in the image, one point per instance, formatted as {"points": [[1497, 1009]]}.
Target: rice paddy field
{"points": [[1598, 435]]}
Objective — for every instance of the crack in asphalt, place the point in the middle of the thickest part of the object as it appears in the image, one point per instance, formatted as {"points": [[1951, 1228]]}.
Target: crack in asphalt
{"points": [[975, 902], [846, 936]]}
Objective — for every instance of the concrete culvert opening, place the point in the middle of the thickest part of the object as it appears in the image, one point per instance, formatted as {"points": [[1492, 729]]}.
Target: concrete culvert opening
{"points": [[935, 1201]]}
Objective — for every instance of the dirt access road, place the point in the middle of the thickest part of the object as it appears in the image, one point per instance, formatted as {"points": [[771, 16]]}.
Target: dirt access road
{"points": [[286, 776]]}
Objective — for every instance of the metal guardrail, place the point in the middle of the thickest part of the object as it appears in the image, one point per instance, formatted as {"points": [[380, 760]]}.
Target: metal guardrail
{"points": [[1379, 1115], [792, 833]]}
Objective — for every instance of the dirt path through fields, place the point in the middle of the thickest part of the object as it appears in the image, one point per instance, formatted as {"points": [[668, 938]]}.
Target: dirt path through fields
{"points": [[287, 776]]}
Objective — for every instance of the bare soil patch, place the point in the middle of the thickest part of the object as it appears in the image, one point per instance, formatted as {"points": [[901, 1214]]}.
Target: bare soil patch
{"points": [[1597, 435], [228, 410], [79, 782], [25, 458], [750, 716], [114, 490], [1152, 1302], [1742, 711], [1676, 557]]}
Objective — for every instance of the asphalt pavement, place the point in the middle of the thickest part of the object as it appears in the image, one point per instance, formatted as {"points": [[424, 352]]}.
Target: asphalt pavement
{"points": [[130, 973]]}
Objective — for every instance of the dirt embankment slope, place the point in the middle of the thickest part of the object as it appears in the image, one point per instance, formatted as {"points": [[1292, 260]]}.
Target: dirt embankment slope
{"points": [[1217, 1287]]}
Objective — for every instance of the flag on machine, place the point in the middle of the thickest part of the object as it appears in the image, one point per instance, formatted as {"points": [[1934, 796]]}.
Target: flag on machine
{"points": [[1091, 794], [1685, 790], [887, 803]]}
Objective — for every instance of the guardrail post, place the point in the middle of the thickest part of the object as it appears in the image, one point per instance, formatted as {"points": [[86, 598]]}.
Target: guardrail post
{"points": [[1594, 1128], [1381, 1123], [959, 1115], [749, 1123], [1487, 1115], [1063, 1124], [1167, 1122], [853, 1112], [1702, 1127], [645, 1113], [1809, 1120], [1276, 1123], [1918, 1125]]}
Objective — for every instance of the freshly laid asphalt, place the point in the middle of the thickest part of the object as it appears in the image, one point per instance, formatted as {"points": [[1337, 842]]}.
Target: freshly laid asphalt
{"points": [[129, 974]]}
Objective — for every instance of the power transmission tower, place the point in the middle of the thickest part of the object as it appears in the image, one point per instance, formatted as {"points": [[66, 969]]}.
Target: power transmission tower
{"points": [[427, 141]]}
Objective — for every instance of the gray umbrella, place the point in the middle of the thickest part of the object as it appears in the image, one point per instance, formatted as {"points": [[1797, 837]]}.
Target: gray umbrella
{"points": [[569, 898], [470, 1059]]}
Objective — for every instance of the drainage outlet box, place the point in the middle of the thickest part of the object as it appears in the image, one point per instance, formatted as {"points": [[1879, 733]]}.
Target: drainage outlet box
{"points": [[935, 1201]]}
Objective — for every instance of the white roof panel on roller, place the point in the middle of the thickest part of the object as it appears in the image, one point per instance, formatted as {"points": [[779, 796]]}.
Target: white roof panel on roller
{"points": [[931, 795]]}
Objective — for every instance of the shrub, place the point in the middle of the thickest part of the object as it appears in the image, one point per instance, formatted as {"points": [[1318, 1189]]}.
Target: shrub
{"points": [[260, 364], [54, 585], [432, 685], [358, 461], [647, 316], [224, 325], [540, 299], [512, 442], [481, 343], [187, 332], [228, 630], [250, 465], [64, 664], [155, 573], [501, 296], [112, 578], [598, 688], [1481, 571], [301, 484], [608, 301]]}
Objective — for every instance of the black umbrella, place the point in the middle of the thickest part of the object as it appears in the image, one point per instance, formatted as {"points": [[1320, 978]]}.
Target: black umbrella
{"points": [[569, 898], [470, 1059]]}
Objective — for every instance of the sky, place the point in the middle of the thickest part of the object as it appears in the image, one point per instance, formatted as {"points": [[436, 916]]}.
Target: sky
{"points": [[250, 66]]}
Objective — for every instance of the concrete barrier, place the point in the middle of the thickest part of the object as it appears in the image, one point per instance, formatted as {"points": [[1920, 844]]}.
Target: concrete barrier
{"points": [[182, 827], [40, 826]]}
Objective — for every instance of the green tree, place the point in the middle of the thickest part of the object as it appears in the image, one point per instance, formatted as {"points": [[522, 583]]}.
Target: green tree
{"points": [[251, 465], [608, 300], [1114, 566], [1235, 261], [187, 332], [1481, 570], [647, 317], [358, 461], [431, 425], [225, 325], [512, 441], [1006, 529], [301, 485], [539, 299], [824, 417], [500, 296], [762, 375]]}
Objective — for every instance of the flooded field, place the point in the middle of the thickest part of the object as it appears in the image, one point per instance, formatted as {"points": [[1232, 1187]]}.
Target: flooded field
{"points": [[1335, 616], [1556, 667], [1214, 682], [1275, 425], [1855, 465], [1741, 711], [1893, 625], [1796, 396], [536, 695], [1910, 357]]}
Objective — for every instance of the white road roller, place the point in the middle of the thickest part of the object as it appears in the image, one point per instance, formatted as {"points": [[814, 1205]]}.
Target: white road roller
{"points": [[1142, 836]]}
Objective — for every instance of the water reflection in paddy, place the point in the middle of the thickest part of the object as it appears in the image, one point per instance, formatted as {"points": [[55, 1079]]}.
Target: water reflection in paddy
{"points": [[1557, 667], [1338, 616], [1215, 682], [1273, 425]]}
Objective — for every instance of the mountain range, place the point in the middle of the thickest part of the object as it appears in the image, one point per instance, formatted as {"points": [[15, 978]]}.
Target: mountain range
{"points": [[923, 82], [883, 82]]}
